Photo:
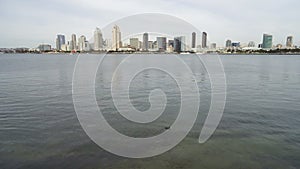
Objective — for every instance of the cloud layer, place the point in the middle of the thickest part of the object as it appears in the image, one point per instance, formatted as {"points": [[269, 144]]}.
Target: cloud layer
{"points": [[28, 23]]}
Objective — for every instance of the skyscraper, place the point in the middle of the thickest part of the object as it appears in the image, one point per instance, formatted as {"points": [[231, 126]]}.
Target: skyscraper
{"points": [[98, 40], [204, 40], [60, 40], [145, 45], [194, 40], [73, 43], [116, 38], [161, 43], [228, 43], [289, 41], [267, 41], [83, 44], [179, 44]]}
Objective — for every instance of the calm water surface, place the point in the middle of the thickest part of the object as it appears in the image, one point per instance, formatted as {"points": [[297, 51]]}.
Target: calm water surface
{"points": [[260, 127]]}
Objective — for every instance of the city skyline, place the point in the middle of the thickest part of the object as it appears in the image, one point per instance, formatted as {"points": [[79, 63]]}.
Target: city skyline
{"points": [[239, 21]]}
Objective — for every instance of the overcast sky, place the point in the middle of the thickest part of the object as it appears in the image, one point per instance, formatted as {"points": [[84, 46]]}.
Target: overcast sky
{"points": [[27, 23]]}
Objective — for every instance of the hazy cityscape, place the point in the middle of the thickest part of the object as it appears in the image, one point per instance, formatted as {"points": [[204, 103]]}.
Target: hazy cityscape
{"points": [[179, 44]]}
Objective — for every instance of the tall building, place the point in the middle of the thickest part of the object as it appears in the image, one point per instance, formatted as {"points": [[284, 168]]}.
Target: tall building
{"points": [[179, 44], [116, 38], [161, 43], [228, 44], [194, 40], [134, 43], [60, 40], [267, 41], [145, 45], [204, 40], [83, 44], [289, 41], [98, 40], [73, 43]]}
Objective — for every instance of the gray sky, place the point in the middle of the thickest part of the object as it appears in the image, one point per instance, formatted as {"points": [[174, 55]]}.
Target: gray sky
{"points": [[27, 23]]}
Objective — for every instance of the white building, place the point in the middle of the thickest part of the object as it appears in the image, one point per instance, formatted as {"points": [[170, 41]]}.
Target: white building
{"points": [[98, 40], [116, 38]]}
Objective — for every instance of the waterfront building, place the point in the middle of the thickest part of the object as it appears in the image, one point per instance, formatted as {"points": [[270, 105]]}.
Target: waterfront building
{"points": [[116, 38], [251, 44], [161, 43], [213, 46], [289, 42], [267, 41], [134, 43], [44, 47], [98, 40], [60, 40], [204, 40], [228, 44], [145, 45], [194, 40]]}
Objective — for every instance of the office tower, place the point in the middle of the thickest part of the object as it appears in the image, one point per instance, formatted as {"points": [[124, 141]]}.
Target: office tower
{"points": [[228, 44], [251, 44], [183, 43], [161, 43], [194, 40], [213, 46], [60, 40], [145, 45], [204, 40], [289, 41], [134, 43], [83, 44], [73, 43], [98, 40], [267, 41], [177, 44], [116, 38]]}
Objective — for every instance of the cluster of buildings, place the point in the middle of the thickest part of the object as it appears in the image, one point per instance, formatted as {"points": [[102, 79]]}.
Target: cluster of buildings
{"points": [[267, 44], [158, 44]]}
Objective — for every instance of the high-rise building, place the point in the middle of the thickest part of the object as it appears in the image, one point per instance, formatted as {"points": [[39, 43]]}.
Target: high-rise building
{"points": [[98, 40], [179, 44], [267, 41], [83, 44], [194, 40], [289, 41], [145, 45], [228, 44], [116, 38], [60, 40], [161, 43], [134, 43], [73, 43], [204, 40]]}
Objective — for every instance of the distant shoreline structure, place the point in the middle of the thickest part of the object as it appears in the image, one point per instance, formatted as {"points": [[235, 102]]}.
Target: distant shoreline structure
{"points": [[220, 52]]}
